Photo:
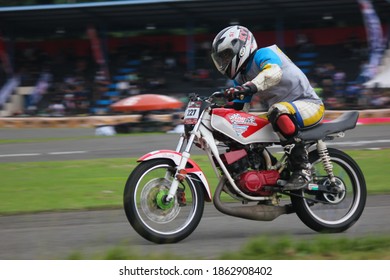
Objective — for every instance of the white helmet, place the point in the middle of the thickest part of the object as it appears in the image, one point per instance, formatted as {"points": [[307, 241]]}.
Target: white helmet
{"points": [[231, 49]]}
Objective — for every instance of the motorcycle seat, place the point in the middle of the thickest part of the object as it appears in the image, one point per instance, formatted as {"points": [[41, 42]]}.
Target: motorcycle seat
{"points": [[344, 122]]}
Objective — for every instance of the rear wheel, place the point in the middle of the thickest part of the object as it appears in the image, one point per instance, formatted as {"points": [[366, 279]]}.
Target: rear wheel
{"points": [[332, 212], [147, 210]]}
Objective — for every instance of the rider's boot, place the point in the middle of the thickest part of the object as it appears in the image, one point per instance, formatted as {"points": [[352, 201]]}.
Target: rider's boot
{"points": [[300, 166], [298, 161]]}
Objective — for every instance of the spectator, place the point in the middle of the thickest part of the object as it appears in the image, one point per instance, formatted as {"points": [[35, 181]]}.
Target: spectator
{"points": [[123, 87], [352, 94]]}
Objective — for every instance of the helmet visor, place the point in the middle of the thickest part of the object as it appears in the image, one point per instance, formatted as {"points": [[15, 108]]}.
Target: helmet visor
{"points": [[223, 59]]}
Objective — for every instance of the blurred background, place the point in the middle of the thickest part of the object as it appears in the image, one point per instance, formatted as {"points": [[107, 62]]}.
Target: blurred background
{"points": [[78, 57], [65, 62]]}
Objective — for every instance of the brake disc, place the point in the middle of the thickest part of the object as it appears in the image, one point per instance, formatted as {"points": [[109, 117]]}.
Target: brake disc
{"points": [[153, 204]]}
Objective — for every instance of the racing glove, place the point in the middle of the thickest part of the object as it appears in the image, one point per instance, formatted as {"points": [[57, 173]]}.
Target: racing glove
{"points": [[239, 92]]}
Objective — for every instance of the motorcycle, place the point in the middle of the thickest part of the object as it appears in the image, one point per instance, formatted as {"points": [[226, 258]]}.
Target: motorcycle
{"points": [[165, 194]]}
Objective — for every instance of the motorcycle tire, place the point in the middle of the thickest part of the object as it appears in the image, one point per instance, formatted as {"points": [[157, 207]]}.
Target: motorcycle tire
{"points": [[328, 212], [146, 211]]}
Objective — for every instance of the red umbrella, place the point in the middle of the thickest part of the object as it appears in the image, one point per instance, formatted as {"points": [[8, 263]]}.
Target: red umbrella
{"points": [[147, 102]]}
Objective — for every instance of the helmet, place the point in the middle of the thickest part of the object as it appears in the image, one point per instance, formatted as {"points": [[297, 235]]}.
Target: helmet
{"points": [[231, 49]]}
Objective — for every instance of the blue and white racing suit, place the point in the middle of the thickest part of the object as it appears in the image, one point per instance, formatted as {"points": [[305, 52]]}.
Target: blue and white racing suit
{"points": [[282, 85]]}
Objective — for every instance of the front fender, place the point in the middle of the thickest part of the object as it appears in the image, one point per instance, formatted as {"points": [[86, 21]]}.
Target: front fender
{"points": [[192, 167]]}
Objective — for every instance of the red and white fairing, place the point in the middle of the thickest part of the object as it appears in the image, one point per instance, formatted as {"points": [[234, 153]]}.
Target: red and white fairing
{"points": [[243, 127]]}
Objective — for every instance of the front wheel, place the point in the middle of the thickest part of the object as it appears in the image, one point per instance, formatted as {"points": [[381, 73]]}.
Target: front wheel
{"points": [[332, 212], [150, 214]]}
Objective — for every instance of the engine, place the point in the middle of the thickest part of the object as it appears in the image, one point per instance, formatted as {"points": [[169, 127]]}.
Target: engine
{"points": [[247, 169], [253, 182]]}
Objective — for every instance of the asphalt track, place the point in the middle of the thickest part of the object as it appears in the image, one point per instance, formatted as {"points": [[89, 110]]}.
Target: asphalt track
{"points": [[57, 235], [81, 143]]}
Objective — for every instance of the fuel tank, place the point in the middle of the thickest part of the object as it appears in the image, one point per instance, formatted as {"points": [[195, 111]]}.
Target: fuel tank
{"points": [[243, 127]]}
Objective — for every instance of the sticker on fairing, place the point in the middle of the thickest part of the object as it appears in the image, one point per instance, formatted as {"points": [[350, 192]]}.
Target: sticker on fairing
{"points": [[241, 123]]}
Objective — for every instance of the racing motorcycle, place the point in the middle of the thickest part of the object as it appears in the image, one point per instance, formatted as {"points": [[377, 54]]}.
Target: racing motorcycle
{"points": [[165, 194]]}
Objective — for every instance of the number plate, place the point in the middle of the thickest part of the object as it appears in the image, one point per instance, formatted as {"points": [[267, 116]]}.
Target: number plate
{"points": [[192, 112]]}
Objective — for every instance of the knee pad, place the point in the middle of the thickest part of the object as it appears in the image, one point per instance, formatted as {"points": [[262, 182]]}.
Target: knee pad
{"points": [[286, 126], [283, 123]]}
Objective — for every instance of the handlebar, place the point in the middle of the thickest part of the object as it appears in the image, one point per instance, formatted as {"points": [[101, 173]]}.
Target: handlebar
{"points": [[218, 94], [241, 94], [244, 92]]}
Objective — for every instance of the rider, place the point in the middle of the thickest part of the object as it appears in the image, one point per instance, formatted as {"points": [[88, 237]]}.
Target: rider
{"points": [[283, 88]]}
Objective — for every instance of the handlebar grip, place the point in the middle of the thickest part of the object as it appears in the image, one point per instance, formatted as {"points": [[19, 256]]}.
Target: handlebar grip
{"points": [[243, 93]]}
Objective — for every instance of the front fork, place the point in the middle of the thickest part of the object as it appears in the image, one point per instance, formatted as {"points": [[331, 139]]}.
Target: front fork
{"points": [[181, 173]]}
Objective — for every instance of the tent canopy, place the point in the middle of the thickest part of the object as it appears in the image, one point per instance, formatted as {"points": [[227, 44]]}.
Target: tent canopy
{"points": [[147, 102], [382, 80]]}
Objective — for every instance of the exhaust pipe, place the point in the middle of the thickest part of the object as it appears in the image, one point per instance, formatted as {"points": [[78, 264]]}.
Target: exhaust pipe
{"points": [[258, 212]]}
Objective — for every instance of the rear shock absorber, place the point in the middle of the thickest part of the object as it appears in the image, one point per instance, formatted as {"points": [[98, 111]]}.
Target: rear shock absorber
{"points": [[325, 158]]}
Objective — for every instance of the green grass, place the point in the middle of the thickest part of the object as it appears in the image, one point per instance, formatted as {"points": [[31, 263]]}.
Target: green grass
{"points": [[321, 248], [375, 166], [268, 248], [45, 186], [86, 184]]}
